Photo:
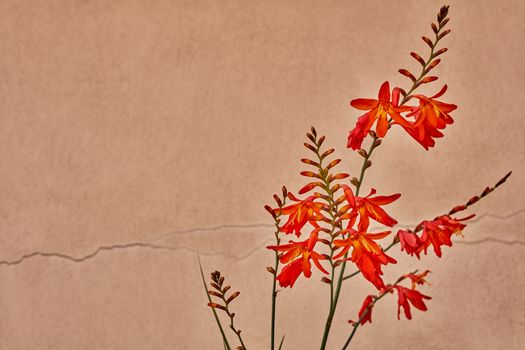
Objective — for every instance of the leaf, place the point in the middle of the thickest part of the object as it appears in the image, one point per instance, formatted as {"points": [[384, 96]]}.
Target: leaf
{"points": [[282, 341]]}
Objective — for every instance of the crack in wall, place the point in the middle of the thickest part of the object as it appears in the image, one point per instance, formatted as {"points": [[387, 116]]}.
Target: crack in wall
{"points": [[152, 246], [261, 225]]}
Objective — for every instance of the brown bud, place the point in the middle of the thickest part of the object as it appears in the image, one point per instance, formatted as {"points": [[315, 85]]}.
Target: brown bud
{"points": [[310, 147], [311, 137], [314, 132], [418, 58], [310, 162], [355, 181], [500, 182], [457, 209], [338, 262], [270, 210], [486, 191], [433, 64], [326, 280], [327, 153], [377, 142], [333, 163], [429, 79], [340, 176], [270, 270], [439, 52], [225, 289], [442, 35], [335, 188], [215, 294], [309, 174], [324, 241], [406, 73], [215, 285], [216, 306], [233, 296], [372, 133], [278, 200], [362, 153], [285, 192], [427, 41], [308, 187], [321, 140], [434, 28], [473, 200], [221, 281], [368, 164]]}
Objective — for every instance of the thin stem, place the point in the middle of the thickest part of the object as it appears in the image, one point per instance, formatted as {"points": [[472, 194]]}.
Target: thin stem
{"points": [[275, 269], [274, 299], [358, 323], [335, 298], [232, 327]]}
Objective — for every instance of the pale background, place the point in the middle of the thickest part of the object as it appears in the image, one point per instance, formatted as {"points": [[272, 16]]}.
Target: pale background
{"points": [[128, 123]]}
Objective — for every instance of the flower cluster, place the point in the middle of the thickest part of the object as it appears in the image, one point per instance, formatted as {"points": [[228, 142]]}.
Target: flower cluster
{"points": [[344, 221], [328, 225]]}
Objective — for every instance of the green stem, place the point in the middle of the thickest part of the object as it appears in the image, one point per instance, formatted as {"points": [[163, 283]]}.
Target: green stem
{"points": [[335, 298], [274, 299], [276, 267]]}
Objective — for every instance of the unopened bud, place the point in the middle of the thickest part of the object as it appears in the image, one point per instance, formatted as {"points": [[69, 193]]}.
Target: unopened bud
{"points": [[362, 153], [326, 280], [270, 270], [354, 181]]}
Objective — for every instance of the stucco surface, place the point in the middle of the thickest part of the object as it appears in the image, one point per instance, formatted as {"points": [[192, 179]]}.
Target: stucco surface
{"points": [[135, 134]]}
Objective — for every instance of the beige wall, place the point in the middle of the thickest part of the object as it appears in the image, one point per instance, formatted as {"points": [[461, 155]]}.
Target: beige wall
{"points": [[171, 123]]}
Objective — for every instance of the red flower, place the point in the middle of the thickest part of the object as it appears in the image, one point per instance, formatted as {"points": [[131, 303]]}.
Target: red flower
{"points": [[431, 116], [366, 254], [418, 278], [300, 213], [297, 256], [406, 295], [409, 242], [368, 304], [370, 208], [439, 231], [378, 110]]}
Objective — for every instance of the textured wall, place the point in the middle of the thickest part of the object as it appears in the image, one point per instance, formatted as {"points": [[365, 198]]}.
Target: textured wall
{"points": [[134, 134]]}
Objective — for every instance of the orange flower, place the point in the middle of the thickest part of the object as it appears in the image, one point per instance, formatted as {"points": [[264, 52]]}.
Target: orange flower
{"points": [[431, 116], [300, 213], [378, 110], [370, 208], [439, 231], [366, 254], [297, 256], [406, 295]]}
